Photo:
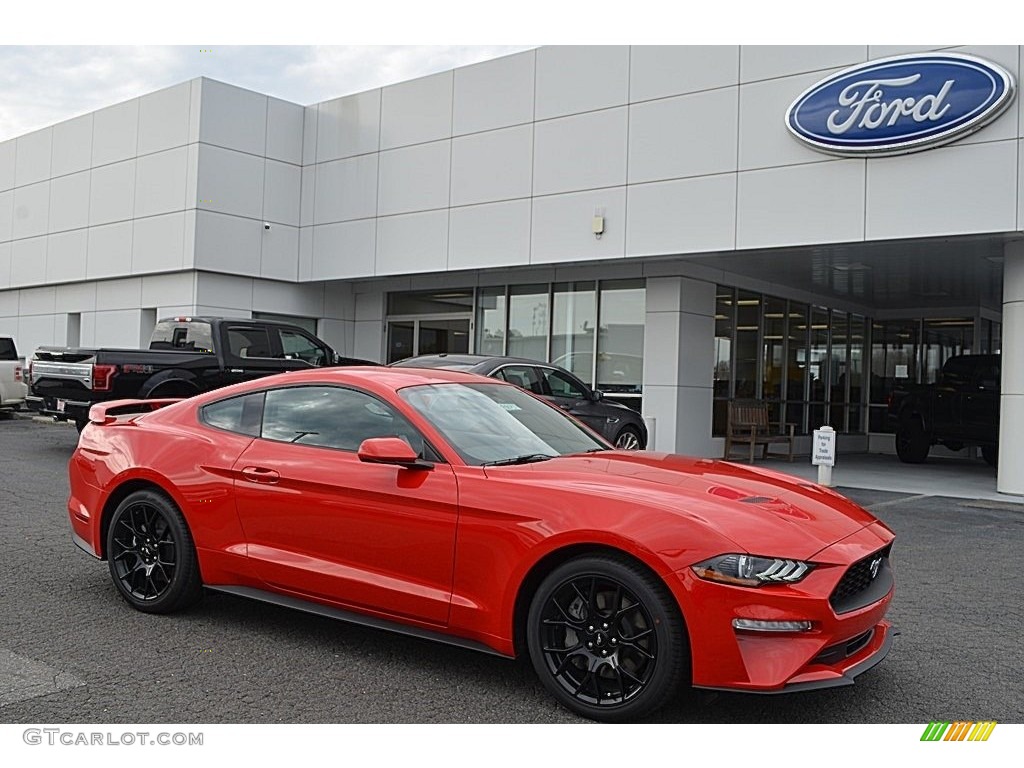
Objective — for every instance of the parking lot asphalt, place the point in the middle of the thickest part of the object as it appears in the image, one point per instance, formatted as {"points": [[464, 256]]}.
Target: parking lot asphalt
{"points": [[71, 651]]}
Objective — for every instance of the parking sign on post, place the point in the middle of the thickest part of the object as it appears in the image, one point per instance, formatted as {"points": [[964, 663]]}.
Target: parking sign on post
{"points": [[823, 453]]}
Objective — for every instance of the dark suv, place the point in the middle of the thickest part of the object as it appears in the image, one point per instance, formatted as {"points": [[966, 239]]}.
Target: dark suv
{"points": [[620, 425]]}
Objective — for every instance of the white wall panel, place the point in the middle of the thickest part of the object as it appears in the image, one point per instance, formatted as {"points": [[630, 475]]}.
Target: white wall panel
{"points": [[805, 204], [35, 331], [195, 108], [9, 301], [306, 253], [287, 299], [345, 189], [580, 152], [189, 255], [339, 334], [683, 136], [233, 117], [69, 202], [494, 235], [765, 142], [72, 146], [761, 62], [580, 78], [66, 256], [414, 178], [161, 182], [413, 243], [8, 158], [344, 127], [369, 341], [309, 131], [5, 271], [28, 261], [284, 131], [280, 253], [110, 250], [6, 215], [307, 204], [34, 151], [230, 182], [164, 118], [119, 328], [158, 243], [228, 243], [76, 297], [119, 294], [562, 226], [496, 165], [160, 290], [224, 291], [656, 71], [957, 189], [281, 193], [31, 210], [112, 193], [416, 111], [494, 94], [115, 133], [37, 301], [682, 216], [343, 250]]}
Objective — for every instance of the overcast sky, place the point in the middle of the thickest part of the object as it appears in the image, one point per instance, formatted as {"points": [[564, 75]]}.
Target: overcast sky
{"points": [[42, 85]]}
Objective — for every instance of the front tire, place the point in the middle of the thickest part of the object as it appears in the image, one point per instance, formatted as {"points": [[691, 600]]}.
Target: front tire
{"points": [[912, 442], [151, 555], [606, 639]]}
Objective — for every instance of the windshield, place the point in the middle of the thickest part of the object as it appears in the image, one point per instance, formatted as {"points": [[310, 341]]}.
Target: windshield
{"points": [[487, 423]]}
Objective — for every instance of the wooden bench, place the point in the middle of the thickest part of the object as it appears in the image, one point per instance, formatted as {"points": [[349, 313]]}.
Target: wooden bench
{"points": [[749, 425]]}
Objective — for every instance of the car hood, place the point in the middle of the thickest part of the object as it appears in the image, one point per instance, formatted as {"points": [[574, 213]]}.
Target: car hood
{"points": [[763, 512]]}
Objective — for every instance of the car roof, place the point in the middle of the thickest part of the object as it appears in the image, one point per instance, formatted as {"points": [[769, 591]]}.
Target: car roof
{"points": [[445, 360]]}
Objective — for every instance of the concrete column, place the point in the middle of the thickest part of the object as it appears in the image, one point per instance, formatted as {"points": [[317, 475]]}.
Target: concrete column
{"points": [[679, 350], [1011, 403]]}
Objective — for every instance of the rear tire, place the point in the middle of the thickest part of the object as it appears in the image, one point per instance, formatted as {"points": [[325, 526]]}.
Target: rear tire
{"points": [[151, 555], [912, 442], [990, 453]]}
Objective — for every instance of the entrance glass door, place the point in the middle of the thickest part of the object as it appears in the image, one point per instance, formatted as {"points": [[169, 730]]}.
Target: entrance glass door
{"points": [[427, 336]]}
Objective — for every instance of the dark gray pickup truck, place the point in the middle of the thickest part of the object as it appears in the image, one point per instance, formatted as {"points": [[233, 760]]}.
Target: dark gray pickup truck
{"points": [[186, 356], [960, 409]]}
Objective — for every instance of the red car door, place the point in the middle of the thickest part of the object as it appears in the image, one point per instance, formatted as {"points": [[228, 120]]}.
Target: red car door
{"points": [[321, 523]]}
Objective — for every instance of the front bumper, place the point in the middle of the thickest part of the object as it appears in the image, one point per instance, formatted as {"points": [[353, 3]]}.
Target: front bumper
{"points": [[837, 648]]}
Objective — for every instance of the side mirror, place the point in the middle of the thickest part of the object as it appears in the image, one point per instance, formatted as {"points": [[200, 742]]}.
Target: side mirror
{"points": [[596, 395], [391, 450]]}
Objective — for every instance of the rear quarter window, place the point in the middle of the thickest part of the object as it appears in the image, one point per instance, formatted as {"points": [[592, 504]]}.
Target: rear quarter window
{"points": [[242, 414], [7, 349]]}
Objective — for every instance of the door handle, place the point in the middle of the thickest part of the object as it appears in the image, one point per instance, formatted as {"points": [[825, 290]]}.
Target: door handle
{"points": [[261, 475], [565, 407]]}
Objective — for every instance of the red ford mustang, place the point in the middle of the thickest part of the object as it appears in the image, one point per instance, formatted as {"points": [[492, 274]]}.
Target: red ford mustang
{"points": [[454, 507]]}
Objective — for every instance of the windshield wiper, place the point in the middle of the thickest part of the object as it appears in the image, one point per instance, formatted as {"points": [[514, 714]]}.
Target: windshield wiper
{"points": [[528, 458]]}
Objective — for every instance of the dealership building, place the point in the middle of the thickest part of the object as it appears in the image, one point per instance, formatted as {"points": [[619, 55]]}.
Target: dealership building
{"points": [[810, 226]]}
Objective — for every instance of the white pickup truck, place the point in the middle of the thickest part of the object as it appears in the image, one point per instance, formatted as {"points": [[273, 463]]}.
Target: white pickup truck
{"points": [[12, 376]]}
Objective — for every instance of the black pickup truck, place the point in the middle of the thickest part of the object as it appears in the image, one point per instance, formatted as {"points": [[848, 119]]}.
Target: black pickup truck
{"points": [[186, 356], [960, 409]]}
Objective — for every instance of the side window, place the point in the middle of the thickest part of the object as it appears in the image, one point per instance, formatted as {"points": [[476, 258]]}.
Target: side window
{"points": [[561, 385], [332, 417], [524, 376], [236, 414], [249, 342], [298, 346]]}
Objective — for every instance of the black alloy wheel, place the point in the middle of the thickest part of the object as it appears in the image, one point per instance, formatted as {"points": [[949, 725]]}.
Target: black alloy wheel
{"points": [[629, 439], [151, 555], [607, 639]]}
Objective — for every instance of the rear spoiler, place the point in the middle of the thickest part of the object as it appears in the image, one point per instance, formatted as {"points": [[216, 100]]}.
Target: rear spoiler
{"points": [[107, 413]]}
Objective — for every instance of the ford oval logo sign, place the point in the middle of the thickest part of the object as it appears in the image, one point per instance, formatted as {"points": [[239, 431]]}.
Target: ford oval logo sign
{"points": [[900, 104]]}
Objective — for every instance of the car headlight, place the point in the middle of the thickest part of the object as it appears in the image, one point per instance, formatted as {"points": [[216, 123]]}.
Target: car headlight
{"points": [[751, 571]]}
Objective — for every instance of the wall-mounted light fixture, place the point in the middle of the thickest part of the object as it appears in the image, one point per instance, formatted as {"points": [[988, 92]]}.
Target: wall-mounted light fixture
{"points": [[598, 224]]}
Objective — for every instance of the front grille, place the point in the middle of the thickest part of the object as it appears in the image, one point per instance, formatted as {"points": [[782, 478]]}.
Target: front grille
{"points": [[859, 587]]}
